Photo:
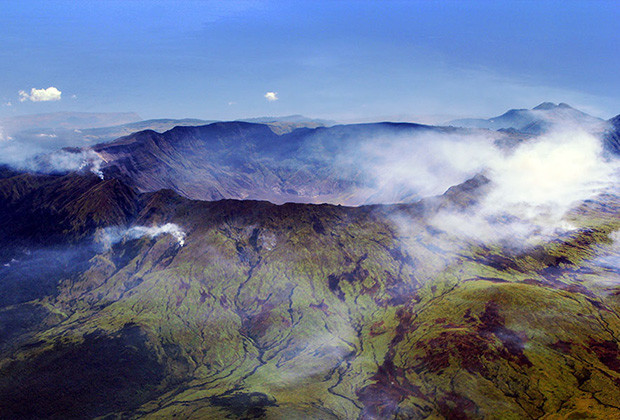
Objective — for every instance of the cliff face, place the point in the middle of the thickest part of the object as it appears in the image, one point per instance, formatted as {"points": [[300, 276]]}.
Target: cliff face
{"points": [[241, 160]]}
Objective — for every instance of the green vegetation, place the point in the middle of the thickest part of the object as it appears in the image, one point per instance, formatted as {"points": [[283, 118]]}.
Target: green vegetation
{"points": [[300, 311]]}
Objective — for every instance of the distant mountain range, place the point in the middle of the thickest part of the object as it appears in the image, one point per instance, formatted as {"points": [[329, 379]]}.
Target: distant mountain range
{"points": [[40, 133], [66, 120], [105, 134], [533, 121]]}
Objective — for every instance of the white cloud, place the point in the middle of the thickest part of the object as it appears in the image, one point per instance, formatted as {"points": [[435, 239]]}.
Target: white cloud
{"points": [[557, 170], [534, 187], [415, 166], [40, 95], [271, 96], [534, 183]]}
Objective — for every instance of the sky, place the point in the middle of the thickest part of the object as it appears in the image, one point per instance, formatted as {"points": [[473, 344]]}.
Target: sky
{"points": [[423, 61]]}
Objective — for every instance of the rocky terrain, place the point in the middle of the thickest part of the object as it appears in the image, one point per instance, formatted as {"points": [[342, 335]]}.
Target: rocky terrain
{"points": [[199, 273], [253, 161], [296, 310]]}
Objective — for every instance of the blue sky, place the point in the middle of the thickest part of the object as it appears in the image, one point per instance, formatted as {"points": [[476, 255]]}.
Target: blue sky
{"points": [[343, 60]]}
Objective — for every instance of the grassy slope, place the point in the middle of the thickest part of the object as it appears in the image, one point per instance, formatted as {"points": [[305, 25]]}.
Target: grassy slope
{"points": [[326, 311]]}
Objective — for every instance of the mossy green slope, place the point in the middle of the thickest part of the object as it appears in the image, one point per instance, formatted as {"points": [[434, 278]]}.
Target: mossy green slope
{"points": [[300, 311]]}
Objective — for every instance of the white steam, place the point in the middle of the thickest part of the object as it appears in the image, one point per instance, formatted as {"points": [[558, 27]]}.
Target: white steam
{"points": [[65, 161], [39, 157], [407, 168], [111, 235], [532, 187], [68, 161], [536, 186], [554, 171]]}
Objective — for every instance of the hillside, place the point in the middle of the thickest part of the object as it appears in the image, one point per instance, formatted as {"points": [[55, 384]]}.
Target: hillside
{"points": [[297, 310]]}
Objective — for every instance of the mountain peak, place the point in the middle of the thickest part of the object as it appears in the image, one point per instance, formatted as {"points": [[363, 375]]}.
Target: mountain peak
{"points": [[546, 106], [530, 122]]}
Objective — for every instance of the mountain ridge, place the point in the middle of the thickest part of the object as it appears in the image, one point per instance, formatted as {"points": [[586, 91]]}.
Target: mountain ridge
{"points": [[534, 121], [250, 161], [301, 310]]}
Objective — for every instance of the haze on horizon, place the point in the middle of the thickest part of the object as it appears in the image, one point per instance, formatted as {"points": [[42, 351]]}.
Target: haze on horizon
{"points": [[346, 60]]}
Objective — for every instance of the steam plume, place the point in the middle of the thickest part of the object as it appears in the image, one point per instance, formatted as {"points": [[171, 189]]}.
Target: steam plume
{"points": [[114, 235]]}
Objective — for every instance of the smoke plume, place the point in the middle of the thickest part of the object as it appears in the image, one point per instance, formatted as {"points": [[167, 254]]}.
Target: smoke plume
{"points": [[113, 235]]}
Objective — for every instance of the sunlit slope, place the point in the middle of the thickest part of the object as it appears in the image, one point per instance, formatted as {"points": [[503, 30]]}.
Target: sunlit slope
{"points": [[303, 310]]}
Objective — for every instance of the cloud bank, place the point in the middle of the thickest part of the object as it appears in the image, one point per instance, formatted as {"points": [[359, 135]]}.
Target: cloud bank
{"points": [[533, 185], [40, 95]]}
